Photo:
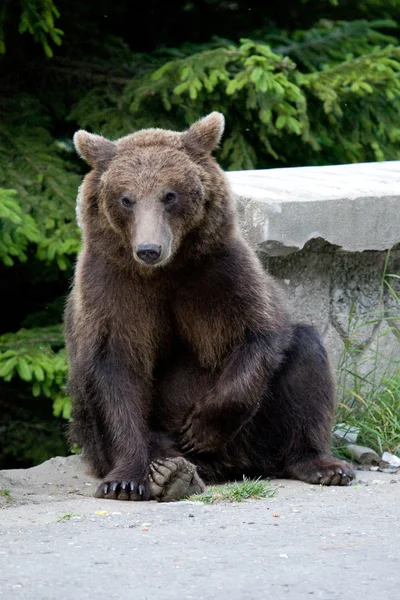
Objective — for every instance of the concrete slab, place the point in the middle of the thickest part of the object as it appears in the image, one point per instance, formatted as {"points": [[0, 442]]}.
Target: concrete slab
{"points": [[355, 207]]}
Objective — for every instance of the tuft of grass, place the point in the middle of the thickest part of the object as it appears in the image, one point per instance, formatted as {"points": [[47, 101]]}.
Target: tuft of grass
{"points": [[239, 491], [66, 517], [7, 495], [377, 416]]}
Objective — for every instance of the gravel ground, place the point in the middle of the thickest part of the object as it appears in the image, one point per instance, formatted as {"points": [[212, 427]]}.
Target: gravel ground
{"points": [[59, 543]]}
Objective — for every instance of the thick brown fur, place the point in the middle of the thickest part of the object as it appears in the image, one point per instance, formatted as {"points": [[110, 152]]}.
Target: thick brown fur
{"points": [[194, 354]]}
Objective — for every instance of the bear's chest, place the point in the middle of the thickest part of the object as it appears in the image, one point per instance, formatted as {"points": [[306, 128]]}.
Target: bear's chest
{"points": [[207, 324]]}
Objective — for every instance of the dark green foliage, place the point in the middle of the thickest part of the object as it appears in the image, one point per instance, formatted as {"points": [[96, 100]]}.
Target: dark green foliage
{"points": [[37, 356], [17, 229], [323, 96], [300, 83], [36, 165], [37, 18]]}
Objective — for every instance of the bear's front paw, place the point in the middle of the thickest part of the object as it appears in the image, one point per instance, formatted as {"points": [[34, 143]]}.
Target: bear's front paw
{"points": [[200, 433], [123, 490], [322, 470]]}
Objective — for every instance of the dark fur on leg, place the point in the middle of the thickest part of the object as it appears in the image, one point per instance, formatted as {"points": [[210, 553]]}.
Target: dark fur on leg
{"points": [[110, 420], [289, 436], [306, 388], [217, 417]]}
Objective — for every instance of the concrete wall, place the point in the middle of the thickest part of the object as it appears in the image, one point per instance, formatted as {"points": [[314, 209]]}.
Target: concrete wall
{"points": [[325, 232]]}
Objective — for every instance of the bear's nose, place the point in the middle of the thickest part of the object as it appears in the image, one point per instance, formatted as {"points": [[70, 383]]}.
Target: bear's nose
{"points": [[148, 253]]}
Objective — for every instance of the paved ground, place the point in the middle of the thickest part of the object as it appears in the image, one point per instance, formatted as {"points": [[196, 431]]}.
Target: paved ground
{"points": [[307, 542]]}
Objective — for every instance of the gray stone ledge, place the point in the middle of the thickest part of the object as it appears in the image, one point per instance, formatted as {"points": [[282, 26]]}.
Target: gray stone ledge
{"points": [[355, 207]]}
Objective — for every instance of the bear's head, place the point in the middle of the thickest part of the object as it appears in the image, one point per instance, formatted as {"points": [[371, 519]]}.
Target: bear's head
{"points": [[152, 190]]}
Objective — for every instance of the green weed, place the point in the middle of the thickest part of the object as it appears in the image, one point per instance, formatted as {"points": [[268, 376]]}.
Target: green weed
{"points": [[239, 491], [376, 415], [66, 517], [7, 495]]}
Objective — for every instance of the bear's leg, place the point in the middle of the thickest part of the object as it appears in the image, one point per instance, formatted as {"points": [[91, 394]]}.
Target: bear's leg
{"points": [[110, 413], [303, 394], [88, 432], [289, 436]]}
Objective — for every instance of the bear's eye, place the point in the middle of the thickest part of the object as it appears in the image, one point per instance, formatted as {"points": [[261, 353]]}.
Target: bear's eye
{"points": [[170, 198], [127, 202]]}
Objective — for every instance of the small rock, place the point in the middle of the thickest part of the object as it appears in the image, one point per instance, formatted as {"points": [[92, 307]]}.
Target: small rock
{"points": [[363, 455], [391, 459], [344, 433]]}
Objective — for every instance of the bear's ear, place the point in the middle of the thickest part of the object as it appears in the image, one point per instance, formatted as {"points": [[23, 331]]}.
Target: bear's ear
{"points": [[96, 150], [205, 135]]}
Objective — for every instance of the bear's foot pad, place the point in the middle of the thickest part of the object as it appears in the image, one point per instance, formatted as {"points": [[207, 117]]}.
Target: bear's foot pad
{"points": [[174, 479], [121, 490], [323, 471]]}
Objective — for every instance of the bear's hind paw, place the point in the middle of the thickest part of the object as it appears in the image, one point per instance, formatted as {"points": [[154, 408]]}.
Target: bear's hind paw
{"points": [[174, 479], [323, 470]]}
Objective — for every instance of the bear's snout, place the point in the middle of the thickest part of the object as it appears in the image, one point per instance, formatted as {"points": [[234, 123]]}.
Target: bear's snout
{"points": [[148, 253]]}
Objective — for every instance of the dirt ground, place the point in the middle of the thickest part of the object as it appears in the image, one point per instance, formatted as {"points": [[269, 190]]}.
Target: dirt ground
{"points": [[57, 542], [54, 480]]}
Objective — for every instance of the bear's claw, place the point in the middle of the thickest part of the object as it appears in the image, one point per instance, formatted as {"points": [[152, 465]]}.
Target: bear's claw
{"points": [[121, 490]]}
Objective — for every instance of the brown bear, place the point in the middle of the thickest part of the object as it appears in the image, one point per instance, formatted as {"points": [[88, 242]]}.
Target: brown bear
{"points": [[184, 364]]}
